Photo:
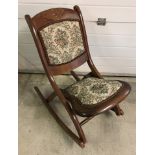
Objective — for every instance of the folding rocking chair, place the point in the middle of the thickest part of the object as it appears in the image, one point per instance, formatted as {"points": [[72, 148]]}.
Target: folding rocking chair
{"points": [[61, 41]]}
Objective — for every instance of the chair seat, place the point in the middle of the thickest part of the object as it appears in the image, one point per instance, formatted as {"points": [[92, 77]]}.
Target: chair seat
{"points": [[94, 90], [89, 93]]}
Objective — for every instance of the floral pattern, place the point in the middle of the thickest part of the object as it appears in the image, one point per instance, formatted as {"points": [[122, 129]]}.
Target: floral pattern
{"points": [[63, 41], [93, 90]]}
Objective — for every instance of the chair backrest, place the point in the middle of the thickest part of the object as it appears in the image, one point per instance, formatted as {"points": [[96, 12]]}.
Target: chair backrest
{"points": [[60, 38]]}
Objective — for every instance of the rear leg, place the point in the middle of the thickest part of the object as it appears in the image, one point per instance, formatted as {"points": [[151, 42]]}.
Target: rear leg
{"points": [[118, 111]]}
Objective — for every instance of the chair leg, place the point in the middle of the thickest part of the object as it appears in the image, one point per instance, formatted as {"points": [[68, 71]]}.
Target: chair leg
{"points": [[51, 97], [118, 111], [81, 140]]}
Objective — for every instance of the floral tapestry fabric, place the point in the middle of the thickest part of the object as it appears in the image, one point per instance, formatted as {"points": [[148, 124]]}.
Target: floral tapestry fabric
{"points": [[63, 41], [93, 90]]}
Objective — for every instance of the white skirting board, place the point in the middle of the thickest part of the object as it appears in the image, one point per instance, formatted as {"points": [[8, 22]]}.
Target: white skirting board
{"points": [[90, 13]]}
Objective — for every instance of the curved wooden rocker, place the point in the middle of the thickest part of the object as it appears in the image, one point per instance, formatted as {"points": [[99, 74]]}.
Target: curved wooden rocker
{"points": [[61, 21], [81, 140]]}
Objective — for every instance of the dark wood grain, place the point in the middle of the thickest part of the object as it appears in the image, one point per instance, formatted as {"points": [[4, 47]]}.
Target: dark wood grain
{"points": [[54, 15]]}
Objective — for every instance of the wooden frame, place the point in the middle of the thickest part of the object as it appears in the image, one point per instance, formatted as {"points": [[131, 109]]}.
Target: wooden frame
{"points": [[57, 15]]}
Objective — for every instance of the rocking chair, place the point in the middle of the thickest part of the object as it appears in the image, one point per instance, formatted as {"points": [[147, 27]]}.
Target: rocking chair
{"points": [[61, 41]]}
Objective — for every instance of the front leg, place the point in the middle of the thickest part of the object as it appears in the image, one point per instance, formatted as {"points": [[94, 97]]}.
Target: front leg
{"points": [[118, 111]]}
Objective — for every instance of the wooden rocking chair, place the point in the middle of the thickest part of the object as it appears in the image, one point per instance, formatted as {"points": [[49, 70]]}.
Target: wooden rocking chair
{"points": [[61, 40]]}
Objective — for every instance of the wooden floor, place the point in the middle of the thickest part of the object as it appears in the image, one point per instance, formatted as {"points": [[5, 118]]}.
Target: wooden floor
{"points": [[39, 134]]}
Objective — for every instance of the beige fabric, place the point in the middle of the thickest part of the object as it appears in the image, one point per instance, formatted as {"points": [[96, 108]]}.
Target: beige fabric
{"points": [[93, 90], [63, 41]]}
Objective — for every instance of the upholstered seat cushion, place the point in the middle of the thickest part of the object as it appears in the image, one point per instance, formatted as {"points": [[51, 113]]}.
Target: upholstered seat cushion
{"points": [[93, 90]]}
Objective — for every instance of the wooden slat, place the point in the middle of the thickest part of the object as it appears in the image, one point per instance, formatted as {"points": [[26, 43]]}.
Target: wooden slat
{"points": [[30, 61], [28, 64], [93, 28], [96, 51], [113, 61], [111, 28], [113, 51], [111, 70], [107, 61], [83, 2], [123, 70], [90, 13], [111, 40], [93, 39]]}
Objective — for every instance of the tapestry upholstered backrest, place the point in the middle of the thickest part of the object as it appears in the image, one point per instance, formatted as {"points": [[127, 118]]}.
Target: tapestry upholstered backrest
{"points": [[62, 41], [60, 37]]}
